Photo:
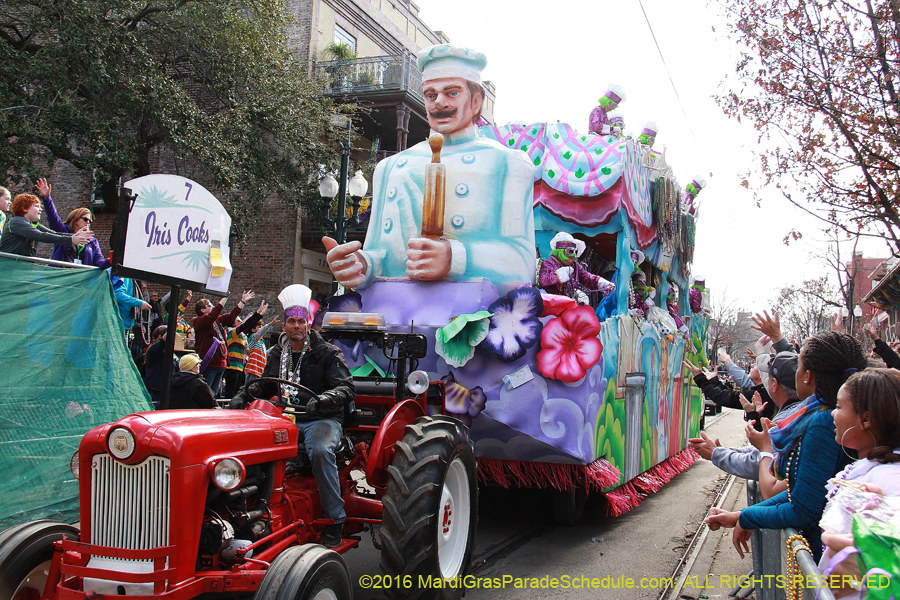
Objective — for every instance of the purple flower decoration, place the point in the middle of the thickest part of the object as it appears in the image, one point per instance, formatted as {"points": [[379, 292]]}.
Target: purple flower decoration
{"points": [[349, 302], [463, 402], [515, 326]]}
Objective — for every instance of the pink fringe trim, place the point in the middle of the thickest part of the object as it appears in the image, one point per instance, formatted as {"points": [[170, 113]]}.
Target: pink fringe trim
{"points": [[629, 496], [596, 476]]}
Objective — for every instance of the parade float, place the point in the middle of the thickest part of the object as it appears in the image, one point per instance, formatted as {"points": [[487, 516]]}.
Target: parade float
{"points": [[563, 384]]}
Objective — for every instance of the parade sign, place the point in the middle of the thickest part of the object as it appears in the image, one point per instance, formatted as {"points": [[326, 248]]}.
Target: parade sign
{"points": [[178, 232]]}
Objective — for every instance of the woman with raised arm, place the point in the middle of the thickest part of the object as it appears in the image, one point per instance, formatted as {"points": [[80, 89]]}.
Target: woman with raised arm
{"points": [[806, 454]]}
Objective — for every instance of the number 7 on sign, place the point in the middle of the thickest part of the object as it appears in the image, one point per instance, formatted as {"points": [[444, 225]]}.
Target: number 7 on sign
{"points": [[188, 185]]}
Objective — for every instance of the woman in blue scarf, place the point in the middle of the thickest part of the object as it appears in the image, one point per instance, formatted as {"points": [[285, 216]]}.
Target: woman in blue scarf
{"points": [[806, 453]]}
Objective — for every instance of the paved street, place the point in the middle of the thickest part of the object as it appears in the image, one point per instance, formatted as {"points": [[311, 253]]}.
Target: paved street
{"points": [[647, 543]]}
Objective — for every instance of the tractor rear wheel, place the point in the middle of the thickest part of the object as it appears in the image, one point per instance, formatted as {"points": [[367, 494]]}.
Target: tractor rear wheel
{"points": [[308, 572], [430, 509], [26, 552]]}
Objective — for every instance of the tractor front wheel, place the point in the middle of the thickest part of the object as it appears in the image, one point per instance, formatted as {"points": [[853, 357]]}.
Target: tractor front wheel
{"points": [[430, 509], [308, 572], [26, 552]]}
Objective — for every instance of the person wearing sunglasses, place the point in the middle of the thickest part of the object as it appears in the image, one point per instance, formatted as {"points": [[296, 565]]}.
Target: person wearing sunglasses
{"points": [[77, 220]]}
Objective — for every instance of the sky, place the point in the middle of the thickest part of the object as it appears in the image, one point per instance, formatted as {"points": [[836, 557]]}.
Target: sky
{"points": [[552, 65]]}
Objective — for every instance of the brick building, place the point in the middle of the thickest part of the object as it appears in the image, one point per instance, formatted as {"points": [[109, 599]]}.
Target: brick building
{"points": [[385, 36]]}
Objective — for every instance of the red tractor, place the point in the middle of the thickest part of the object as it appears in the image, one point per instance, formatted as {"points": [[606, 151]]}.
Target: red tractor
{"points": [[182, 504]]}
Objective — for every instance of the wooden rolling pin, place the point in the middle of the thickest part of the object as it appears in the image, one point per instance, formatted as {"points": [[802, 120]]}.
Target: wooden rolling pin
{"points": [[435, 188]]}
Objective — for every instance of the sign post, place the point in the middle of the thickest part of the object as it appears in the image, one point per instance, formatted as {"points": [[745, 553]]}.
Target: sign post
{"points": [[172, 231]]}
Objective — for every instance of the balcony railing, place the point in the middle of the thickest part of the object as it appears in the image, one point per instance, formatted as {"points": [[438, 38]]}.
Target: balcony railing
{"points": [[371, 74]]}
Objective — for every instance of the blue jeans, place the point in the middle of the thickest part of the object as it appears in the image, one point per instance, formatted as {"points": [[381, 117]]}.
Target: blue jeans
{"points": [[213, 376], [321, 438]]}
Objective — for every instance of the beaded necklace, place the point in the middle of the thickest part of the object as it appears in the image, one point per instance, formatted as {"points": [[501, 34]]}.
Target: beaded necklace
{"points": [[287, 370], [792, 461]]}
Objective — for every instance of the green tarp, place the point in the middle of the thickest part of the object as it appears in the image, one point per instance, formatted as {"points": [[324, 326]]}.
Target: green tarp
{"points": [[64, 369]]}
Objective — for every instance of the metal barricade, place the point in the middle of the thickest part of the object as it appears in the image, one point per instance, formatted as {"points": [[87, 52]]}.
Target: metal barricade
{"points": [[770, 558], [766, 545]]}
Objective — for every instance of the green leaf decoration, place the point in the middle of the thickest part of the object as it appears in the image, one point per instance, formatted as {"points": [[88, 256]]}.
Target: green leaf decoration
{"points": [[568, 154], [157, 198], [551, 173], [584, 138], [598, 151], [456, 341], [511, 142], [524, 148], [579, 173], [193, 258], [556, 136], [606, 170], [534, 132], [537, 160]]}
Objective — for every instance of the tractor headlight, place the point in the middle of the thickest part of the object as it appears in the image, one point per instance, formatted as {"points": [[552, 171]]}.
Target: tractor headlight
{"points": [[73, 465], [120, 443], [418, 382], [228, 474]]}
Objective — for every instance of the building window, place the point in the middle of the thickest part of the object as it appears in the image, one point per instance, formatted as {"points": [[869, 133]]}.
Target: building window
{"points": [[342, 36]]}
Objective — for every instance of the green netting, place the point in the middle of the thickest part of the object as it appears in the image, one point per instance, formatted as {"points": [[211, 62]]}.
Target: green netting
{"points": [[64, 369]]}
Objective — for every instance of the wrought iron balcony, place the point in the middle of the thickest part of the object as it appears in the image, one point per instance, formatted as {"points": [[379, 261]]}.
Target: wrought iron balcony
{"points": [[373, 74]]}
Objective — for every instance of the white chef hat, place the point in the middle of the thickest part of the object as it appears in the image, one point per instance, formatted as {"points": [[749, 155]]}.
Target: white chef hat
{"points": [[451, 60], [295, 301]]}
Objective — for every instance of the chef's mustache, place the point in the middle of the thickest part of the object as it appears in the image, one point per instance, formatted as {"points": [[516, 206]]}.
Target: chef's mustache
{"points": [[443, 114]]}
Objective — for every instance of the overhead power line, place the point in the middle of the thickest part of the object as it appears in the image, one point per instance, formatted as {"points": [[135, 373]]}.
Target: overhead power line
{"points": [[674, 89]]}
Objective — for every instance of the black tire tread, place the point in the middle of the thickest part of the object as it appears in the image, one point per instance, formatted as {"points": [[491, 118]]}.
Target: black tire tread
{"points": [[412, 498], [294, 573], [24, 547]]}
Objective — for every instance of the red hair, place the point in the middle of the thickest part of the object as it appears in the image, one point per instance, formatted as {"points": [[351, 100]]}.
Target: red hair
{"points": [[22, 203]]}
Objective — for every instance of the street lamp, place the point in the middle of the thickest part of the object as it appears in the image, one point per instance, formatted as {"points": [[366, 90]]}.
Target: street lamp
{"points": [[329, 188]]}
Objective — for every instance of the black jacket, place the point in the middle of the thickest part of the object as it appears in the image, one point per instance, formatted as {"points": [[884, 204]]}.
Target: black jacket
{"points": [[190, 390], [324, 371], [726, 396], [890, 358]]}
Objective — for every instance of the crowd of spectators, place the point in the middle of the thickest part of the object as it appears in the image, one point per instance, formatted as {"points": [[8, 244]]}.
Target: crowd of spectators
{"points": [[225, 345], [824, 426]]}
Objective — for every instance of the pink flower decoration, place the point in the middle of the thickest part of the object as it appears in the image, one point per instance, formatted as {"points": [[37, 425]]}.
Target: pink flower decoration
{"points": [[569, 345], [555, 305]]}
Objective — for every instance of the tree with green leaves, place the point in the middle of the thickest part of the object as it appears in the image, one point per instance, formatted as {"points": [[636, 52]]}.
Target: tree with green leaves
{"points": [[818, 79], [104, 84]]}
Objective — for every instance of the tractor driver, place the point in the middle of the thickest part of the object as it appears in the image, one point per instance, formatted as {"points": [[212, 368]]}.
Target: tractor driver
{"points": [[302, 356]]}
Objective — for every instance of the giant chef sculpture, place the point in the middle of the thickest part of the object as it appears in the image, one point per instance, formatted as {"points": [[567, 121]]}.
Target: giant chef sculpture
{"points": [[488, 222]]}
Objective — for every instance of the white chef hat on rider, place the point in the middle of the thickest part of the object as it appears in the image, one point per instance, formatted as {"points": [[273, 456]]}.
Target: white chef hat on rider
{"points": [[295, 301], [451, 60]]}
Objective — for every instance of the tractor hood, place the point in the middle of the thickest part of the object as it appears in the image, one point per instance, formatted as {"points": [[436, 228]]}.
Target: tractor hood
{"points": [[192, 437]]}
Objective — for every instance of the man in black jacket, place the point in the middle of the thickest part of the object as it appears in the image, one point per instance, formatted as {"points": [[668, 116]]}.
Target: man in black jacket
{"points": [[303, 357], [189, 389]]}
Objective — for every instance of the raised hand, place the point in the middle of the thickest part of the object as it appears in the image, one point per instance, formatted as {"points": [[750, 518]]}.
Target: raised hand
{"points": [[43, 187], [704, 445], [759, 439], [82, 237], [263, 307], [870, 329], [695, 370], [770, 326], [247, 296]]}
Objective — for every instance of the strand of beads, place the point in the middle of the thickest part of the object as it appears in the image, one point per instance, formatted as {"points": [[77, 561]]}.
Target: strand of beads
{"points": [[794, 585], [792, 460]]}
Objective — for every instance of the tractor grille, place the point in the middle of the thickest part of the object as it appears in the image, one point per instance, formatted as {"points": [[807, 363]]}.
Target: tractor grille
{"points": [[130, 503]]}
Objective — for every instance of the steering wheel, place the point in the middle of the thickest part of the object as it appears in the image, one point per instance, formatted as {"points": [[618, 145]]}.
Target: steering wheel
{"points": [[303, 393]]}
